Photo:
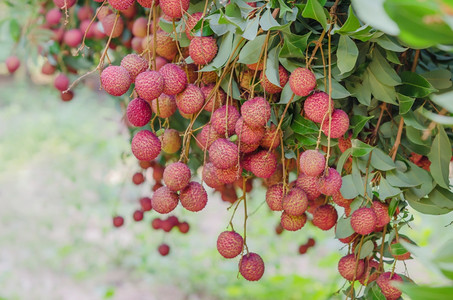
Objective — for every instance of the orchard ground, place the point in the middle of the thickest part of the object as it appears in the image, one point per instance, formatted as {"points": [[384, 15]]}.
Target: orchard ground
{"points": [[66, 169]]}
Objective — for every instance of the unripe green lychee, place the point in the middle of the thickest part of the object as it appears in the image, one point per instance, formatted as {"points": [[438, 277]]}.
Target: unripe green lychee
{"points": [[145, 145], [167, 106], [371, 272], [295, 202], [263, 164], [206, 137], [192, 20], [274, 197], [230, 244], [177, 176], [149, 85], [193, 197], [382, 213], [339, 124], [175, 79], [138, 112], [364, 220], [191, 100], [115, 80], [302, 81], [107, 24], [230, 175], [216, 100], [209, 176], [223, 154], [312, 162], [203, 49], [270, 139], [256, 112], [121, 4], [330, 183], [251, 266], [269, 87], [224, 119], [292, 223], [316, 107], [325, 217], [174, 8], [385, 283], [134, 64], [247, 134], [171, 141], [164, 200], [350, 268], [309, 185]]}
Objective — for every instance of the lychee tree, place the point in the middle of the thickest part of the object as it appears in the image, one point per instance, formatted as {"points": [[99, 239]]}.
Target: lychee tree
{"points": [[342, 109]]}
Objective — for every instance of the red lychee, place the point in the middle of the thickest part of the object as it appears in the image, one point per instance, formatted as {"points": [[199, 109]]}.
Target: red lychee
{"points": [[339, 124], [230, 244], [251, 266], [145, 145], [203, 49], [67, 96], [193, 197], [140, 27], [138, 112], [166, 108], [191, 100], [293, 223], [145, 203], [223, 154], [228, 175], [165, 45], [121, 4], [148, 3], [206, 137], [247, 148], [330, 183], [316, 107], [118, 221], [156, 223], [177, 176], [349, 268], [85, 13], [325, 217], [302, 81], [183, 227], [48, 68], [209, 176], [385, 283], [109, 26], [163, 249], [256, 112], [344, 143], [403, 256], [138, 215], [340, 201], [382, 213], [247, 134], [192, 20], [164, 200], [269, 87], [309, 185], [312, 162], [271, 138], [175, 79], [224, 119], [216, 100], [171, 141], [134, 64], [295, 202], [263, 164], [138, 178], [370, 273], [64, 3], [274, 197], [209, 77], [149, 85], [174, 8], [364, 220], [115, 80], [53, 16], [73, 37]]}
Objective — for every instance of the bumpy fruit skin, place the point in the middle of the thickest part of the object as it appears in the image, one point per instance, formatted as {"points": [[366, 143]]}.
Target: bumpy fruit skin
{"points": [[61, 82], [177, 176], [263, 164], [134, 64], [221, 123], [145, 203], [203, 49], [349, 239], [251, 267], [167, 106], [385, 283], [209, 77], [274, 197], [64, 3], [312, 162], [292, 223], [309, 185], [370, 273], [223, 154], [230, 244], [344, 143], [138, 112], [295, 203], [206, 137], [331, 183], [121, 4], [340, 200], [148, 3], [364, 220], [193, 197], [247, 148], [149, 85], [216, 100], [325, 217], [118, 221], [115, 80], [382, 213], [268, 141], [347, 267], [165, 45], [171, 141], [192, 20], [175, 79], [247, 134], [256, 112], [230, 175], [209, 176], [302, 81], [256, 66], [164, 200], [164, 249], [316, 107], [145, 145], [269, 87], [108, 22], [174, 8], [339, 124], [191, 100]]}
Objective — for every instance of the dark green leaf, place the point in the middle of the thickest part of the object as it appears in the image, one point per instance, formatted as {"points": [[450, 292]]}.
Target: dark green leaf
{"points": [[415, 85], [366, 249], [439, 79], [347, 54], [344, 156], [306, 140], [248, 54], [440, 156], [382, 70], [351, 24], [272, 64], [338, 91], [400, 179], [380, 91], [225, 50], [420, 292], [357, 124], [405, 103], [314, 10], [441, 197], [397, 249], [387, 43], [294, 45], [361, 91], [439, 119], [359, 148], [267, 21], [425, 205], [348, 189], [375, 293], [381, 161], [304, 126], [343, 228]]}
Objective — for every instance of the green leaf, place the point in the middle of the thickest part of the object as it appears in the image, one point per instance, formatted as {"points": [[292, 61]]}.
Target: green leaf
{"points": [[375, 293], [348, 189], [234, 91], [357, 124], [351, 24], [304, 126], [361, 91], [248, 54], [225, 50], [357, 178], [347, 54], [306, 140], [382, 70], [397, 249], [251, 29], [441, 197], [439, 119], [444, 100], [439, 157], [272, 65], [387, 43], [343, 157], [267, 21], [373, 13], [366, 249], [314, 10], [439, 79], [380, 91], [415, 85], [399, 179], [424, 205], [343, 228], [338, 91], [386, 190], [381, 161], [14, 29], [294, 45], [420, 292], [359, 148], [405, 103]]}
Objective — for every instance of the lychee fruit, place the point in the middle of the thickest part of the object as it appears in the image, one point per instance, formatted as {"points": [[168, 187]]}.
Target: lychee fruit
{"points": [[224, 119], [118, 221], [165, 45], [140, 27], [247, 134], [223, 154], [61, 82], [330, 183], [206, 137], [293, 223], [316, 107], [102, 12], [382, 213], [230, 175], [171, 141], [191, 100], [325, 217], [109, 26], [203, 49], [340, 200], [302, 81], [134, 64], [385, 283], [53, 16], [214, 99], [295, 202], [183, 227], [344, 143], [121, 4], [258, 66], [73, 37], [115, 80], [256, 112], [164, 200], [209, 77], [349, 239], [339, 124], [156, 223], [175, 79], [138, 112], [149, 85], [271, 138], [251, 266], [364, 220], [209, 176], [138, 215], [166, 108], [148, 3], [303, 249], [371, 272], [309, 185], [176, 176], [351, 268], [247, 148], [145, 203], [269, 87], [64, 3], [192, 20], [48, 68], [312, 162], [263, 164], [193, 197], [274, 197], [163, 249], [138, 178], [174, 8], [67, 96], [85, 13], [145, 145], [230, 244]]}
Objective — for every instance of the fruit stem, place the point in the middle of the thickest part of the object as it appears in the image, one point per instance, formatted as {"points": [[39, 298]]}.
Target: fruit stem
{"points": [[330, 98], [88, 28], [281, 121], [394, 149], [244, 191], [263, 50], [381, 252]]}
